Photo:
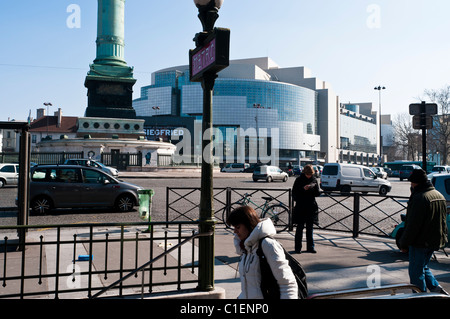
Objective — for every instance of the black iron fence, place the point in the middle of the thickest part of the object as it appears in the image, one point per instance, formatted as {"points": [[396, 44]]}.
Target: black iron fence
{"points": [[182, 203], [360, 214], [353, 212], [41, 158], [122, 160], [82, 261]]}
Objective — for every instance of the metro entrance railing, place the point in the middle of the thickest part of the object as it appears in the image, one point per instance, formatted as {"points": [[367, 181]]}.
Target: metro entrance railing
{"points": [[82, 260], [356, 213], [78, 261]]}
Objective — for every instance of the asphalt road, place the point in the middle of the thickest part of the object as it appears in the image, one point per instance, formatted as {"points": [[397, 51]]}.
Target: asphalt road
{"points": [[8, 195]]}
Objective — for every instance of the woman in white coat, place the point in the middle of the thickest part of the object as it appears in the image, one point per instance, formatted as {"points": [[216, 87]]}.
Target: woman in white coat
{"points": [[248, 231]]}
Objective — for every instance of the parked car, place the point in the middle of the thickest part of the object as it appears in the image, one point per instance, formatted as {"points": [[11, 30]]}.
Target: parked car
{"points": [[9, 174], [252, 167], [439, 169], [351, 177], [388, 171], [380, 172], [235, 167], [442, 184], [92, 163], [75, 186], [269, 174], [406, 170], [297, 169], [317, 170]]}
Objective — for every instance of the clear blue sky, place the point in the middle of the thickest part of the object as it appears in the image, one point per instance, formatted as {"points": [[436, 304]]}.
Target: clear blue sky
{"points": [[354, 45]]}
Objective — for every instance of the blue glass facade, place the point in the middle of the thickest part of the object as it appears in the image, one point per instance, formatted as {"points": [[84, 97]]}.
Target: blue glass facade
{"points": [[282, 105]]}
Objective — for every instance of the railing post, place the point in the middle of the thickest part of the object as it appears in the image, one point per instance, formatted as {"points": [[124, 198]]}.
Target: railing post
{"points": [[291, 207], [228, 204], [356, 200]]}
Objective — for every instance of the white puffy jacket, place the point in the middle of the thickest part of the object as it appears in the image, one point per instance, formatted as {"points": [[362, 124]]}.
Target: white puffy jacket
{"points": [[249, 267]]}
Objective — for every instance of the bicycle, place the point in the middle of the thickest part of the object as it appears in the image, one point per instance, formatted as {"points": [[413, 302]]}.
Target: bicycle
{"points": [[278, 213]]}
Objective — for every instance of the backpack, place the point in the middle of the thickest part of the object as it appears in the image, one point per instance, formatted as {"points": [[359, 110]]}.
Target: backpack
{"points": [[269, 285]]}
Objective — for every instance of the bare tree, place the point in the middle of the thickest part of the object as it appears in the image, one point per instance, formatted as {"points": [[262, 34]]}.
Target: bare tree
{"points": [[439, 136], [406, 138]]}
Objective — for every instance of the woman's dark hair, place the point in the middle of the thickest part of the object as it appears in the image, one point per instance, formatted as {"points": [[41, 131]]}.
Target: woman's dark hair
{"points": [[244, 215]]}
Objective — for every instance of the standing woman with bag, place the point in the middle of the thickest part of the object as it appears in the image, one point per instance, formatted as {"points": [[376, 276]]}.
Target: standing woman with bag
{"points": [[250, 232], [306, 210]]}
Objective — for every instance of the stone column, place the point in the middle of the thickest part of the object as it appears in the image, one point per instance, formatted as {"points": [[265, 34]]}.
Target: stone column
{"points": [[110, 81], [111, 32]]}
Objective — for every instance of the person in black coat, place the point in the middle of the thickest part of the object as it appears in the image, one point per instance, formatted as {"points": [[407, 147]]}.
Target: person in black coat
{"points": [[304, 193]]}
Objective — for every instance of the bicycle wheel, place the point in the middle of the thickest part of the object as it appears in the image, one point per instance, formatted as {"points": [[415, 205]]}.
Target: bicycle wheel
{"points": [[225, 215], [279, 214]]}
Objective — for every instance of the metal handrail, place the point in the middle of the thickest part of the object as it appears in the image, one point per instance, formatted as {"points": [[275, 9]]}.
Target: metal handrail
{"points": [[38, 273], [392, 289], [196, 235]]}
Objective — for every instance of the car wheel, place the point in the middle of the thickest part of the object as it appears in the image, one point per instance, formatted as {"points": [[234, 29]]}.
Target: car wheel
{"points": [[125, 203], [285, 179], [269, 179], [41, 205], [2, 183], [255, 179], [383, 190]]}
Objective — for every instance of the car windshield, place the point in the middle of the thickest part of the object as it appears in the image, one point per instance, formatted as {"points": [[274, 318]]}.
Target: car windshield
{"points": [[100, 164], [437, 169]]}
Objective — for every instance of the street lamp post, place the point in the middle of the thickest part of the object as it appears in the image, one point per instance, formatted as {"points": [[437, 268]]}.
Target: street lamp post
{"points": [[257, 106], [209, 57], [379, 88], [47, 105]]}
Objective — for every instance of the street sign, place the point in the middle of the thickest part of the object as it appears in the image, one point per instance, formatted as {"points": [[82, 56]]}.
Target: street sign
{"points": [[423, 108], [212, 57], [422, 122]]}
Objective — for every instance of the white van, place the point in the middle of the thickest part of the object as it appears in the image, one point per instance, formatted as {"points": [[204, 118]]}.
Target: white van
{"points": [[352, 177], [235, 167]]}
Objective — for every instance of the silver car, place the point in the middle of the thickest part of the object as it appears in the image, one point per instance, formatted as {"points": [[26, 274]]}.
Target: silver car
{"points": [[269, 174], [93, 163], [74, 186], [9, 174]]}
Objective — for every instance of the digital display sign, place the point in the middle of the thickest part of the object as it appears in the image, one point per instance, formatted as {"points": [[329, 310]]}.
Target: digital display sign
{"points": [[204, 58], [213, 56]]}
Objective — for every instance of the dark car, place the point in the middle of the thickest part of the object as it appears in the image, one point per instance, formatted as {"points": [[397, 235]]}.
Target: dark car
{"points": [[252, 167], [406, 170], [73, 186], [442, 184], [297, 169]]}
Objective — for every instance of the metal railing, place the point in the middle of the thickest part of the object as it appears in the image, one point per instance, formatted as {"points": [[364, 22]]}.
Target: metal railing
{"points": [[148, 264], [353, 212], [385, 292], [360, 213], [41, 157], [182, 203], [78, 261]]}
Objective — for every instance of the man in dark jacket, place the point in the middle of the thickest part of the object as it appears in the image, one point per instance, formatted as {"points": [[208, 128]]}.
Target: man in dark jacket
{"points": [[425, 230], [305, 212]]}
